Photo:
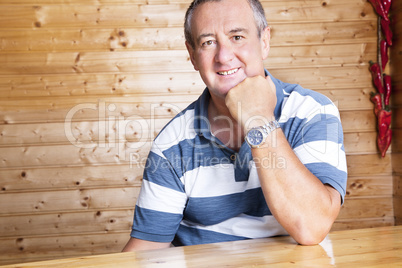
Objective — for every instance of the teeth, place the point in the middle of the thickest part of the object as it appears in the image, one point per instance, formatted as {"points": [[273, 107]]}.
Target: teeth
{"points": [[228, 72]]}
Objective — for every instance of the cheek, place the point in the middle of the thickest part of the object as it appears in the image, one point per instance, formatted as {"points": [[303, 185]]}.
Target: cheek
{"points": [[252, 58], [205, 61], [251, 52]]}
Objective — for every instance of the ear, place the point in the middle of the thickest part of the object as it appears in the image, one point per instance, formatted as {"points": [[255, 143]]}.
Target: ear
{"points": [[191, 52], [265, 39]]}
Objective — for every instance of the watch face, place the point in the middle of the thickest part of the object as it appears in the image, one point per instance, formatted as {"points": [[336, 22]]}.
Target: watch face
{"points": [[255, 137]]}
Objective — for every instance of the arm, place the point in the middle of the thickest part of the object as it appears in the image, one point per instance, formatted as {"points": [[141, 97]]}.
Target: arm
{"points": [[159, 207], [304, 206], [135, 244], [301, 203]]}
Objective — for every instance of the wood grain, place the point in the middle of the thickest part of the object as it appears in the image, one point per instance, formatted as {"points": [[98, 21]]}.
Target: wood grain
{"points": [[364, 208], [122, 152], [172, 38], [67, 222], [108, 75], [368, 247], [167, 15], [63, 178], [68, 200], [17, 250], [113, 129], [396, 101], [175, 60], [337, 83]]}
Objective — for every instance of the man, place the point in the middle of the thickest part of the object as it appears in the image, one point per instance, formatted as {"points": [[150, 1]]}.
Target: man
{"points": [[203, 183]]}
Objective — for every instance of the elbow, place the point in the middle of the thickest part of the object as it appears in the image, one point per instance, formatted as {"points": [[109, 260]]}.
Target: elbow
{"points": [[309, 240], [310, 236]]}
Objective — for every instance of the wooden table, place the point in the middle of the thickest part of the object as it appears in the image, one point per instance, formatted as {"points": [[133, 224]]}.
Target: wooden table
{"points": [[376, 247]]}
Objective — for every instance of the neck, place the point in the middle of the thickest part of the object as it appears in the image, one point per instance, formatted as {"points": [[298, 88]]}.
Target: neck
{"points": [[223, 126], [217, 107]]}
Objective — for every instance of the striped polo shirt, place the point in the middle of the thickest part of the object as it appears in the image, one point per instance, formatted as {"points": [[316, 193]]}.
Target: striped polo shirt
{"points": [[196, 190]]}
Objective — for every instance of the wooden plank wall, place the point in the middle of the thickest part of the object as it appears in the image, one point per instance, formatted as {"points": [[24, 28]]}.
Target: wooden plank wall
{"points": [[396, 68], [85, 86]]}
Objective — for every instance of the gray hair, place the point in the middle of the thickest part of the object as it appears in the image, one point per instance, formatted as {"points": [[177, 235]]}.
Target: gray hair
{"points": [[258, 11]]}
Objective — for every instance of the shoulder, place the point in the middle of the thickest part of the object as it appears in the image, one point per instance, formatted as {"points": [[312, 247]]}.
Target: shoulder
{"points": [[308, 116], [176, 130], [305, 103]]}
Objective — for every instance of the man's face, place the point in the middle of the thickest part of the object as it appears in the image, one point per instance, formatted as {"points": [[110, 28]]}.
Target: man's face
{"points": [[227, 46]]}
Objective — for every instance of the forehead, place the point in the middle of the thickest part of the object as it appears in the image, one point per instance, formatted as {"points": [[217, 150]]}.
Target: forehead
{"points": [[225, 15]]}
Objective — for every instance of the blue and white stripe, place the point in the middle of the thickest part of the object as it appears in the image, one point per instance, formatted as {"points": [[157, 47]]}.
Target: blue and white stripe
{"points": [[195, 192]]}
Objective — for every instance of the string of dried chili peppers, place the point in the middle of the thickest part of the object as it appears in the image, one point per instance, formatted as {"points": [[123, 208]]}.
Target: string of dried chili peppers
{"points": [[382, 81]]}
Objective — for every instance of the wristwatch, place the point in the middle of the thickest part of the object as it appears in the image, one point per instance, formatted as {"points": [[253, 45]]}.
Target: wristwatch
{"points": [[256, 136]]}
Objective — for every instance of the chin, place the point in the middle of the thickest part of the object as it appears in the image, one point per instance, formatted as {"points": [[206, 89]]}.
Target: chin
{"points": [[221, 89], [220, 93]]}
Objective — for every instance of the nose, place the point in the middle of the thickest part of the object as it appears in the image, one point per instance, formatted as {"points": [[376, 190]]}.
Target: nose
{"points": [[224, 53]]}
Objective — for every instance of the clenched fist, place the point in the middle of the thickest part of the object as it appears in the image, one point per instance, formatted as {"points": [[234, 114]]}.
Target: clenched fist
{"points": [[252, 102]]}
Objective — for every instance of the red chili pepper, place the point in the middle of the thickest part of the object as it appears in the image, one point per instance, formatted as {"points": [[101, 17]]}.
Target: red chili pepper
{"points": [[384, 53], [376, 99], [376, 75], [384, 121], [388, 88], [384, 132], [386, 5], [386, 30], [384, 141], [379, 8]]}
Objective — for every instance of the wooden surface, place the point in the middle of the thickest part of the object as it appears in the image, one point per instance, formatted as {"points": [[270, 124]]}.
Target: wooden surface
{"points": [[376, 247], [396, 71], [86, 85]]}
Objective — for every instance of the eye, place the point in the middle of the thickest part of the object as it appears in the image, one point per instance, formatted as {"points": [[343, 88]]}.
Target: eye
{"points": [[237, 37], [208, 43]]}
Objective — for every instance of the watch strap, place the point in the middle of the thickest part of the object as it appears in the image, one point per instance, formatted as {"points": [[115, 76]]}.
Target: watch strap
{"points": [[271, 126]]}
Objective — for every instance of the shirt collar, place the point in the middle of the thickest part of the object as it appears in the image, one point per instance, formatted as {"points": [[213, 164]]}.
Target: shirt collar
{"points": [[201, 122]]}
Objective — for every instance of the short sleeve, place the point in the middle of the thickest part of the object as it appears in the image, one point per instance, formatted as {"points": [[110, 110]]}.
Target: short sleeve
{"points": [[160, 205], [314, 131]]}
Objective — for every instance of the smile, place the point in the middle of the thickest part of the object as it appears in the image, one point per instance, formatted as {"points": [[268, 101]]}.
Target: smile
{"points": [[229, 72]]}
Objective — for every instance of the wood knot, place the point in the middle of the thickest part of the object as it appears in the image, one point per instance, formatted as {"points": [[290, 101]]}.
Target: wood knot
{"points": [[77, 59]]}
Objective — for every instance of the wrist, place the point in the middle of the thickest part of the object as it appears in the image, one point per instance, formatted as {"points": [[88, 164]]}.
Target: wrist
{"points": [[256, 136], [257, 121]]}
